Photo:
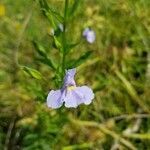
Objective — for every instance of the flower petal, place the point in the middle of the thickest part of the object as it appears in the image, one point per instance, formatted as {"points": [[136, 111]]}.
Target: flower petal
{"points": [[79, 96], [70, 100], [69, 77], [91, 36], [71, 72], [55, 99], [85, 32], [85, 93]]}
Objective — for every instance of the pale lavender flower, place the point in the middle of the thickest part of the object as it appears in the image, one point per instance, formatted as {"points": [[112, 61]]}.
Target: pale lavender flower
{"points": [[70, 94], [89, 35]]}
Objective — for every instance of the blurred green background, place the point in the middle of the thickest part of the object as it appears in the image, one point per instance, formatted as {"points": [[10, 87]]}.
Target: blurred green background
{"points": [[118, 71]]}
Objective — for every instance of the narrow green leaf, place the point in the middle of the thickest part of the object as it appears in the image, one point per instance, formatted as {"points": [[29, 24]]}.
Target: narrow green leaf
{"points": [[48, 62], [74, 7], [69, 47], [57, 43], [32, 72], [45, 9], [40, 49], [50, 13], [79, 61], [44, 58]]}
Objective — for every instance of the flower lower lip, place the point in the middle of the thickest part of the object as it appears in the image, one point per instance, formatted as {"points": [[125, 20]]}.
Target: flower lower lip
{"points": [[70, 88]]}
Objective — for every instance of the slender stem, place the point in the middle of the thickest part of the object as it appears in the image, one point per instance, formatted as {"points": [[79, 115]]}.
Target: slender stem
{"points": [[105, 130], [66, 9], [9, 132], [63, 65], [25, 23], [132, 92], [64, 37]]}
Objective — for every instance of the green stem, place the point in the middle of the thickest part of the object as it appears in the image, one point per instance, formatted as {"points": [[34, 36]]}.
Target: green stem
{"points": [[64, 37], [63, 63]]}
